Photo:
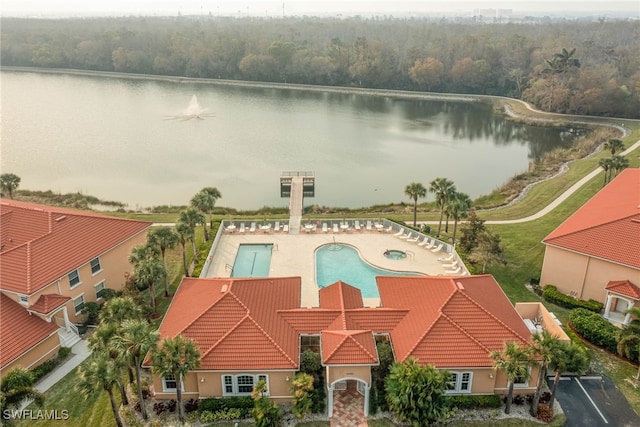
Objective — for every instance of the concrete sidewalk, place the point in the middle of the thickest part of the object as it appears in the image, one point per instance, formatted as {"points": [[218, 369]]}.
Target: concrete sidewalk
{"points": [[79, 352]]}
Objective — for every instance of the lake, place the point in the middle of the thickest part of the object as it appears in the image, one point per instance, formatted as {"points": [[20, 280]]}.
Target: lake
{"points": [[119, 139]]}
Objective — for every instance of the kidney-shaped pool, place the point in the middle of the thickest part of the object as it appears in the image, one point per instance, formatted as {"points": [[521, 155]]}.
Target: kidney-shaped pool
{"points": [[343, 262]]}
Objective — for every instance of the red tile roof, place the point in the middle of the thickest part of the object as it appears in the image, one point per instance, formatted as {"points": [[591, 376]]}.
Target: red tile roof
{"points": [[40, 244], [256, 323], [451, 321], [348, 348], [608, 225], [47, 303], [624, 287], [20, 331]]}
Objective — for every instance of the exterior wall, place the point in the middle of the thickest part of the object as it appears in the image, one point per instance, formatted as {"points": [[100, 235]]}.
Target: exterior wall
{"points": [[201, 385], [114, 264], [45, 350], [502, 384], [583, 275], [334, 373], [483, 380]]}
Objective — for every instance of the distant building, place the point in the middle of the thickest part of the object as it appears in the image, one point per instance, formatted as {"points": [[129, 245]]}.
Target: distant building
{"points": [[52, 261]]}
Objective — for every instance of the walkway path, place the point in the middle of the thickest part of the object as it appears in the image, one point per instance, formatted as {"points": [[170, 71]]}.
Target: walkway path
{"points": [[555, 203]]}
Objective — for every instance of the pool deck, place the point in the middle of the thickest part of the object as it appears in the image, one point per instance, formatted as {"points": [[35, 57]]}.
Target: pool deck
{"points": [[294, 255]]}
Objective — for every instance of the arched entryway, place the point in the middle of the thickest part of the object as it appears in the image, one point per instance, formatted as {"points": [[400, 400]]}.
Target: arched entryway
{"points": [[348, 402]]}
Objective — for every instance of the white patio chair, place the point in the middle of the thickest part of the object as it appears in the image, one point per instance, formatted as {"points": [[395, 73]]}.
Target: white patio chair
{"points": [[437, 248]]}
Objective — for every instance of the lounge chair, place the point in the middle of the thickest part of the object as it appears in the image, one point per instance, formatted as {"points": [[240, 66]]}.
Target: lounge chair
{"points": [[390, 229], [456, 271], [356, 225], [369, 226], [431, 244], [406, 236], [325, 229], [437, 248], [451, 264], [242, 228], [415, 239], [336, 229], [424, 242], [252, 229], [399, 233], [277, 226], [464, 273], [447, 258], [285, 228]]}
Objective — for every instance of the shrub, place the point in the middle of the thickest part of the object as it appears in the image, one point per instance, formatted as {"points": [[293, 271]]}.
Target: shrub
{"points": [[476, 401], [222, 415], [311, 362], [191, 405], [64, 352], [545, 413], [244, 404], [44, 368], [594, 328], [551, 294]]}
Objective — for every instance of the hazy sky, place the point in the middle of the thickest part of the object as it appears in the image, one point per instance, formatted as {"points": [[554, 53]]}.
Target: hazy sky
{"points": [[48, 8]]}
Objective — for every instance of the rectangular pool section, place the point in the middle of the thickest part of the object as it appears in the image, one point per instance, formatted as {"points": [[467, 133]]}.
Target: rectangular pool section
{"points": [[252, 260]]}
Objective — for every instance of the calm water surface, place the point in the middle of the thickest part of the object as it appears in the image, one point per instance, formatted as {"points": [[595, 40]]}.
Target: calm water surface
{"points": [[110, 138]]}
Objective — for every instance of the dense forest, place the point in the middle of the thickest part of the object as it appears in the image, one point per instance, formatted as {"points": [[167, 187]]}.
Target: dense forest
{"points": [[574, 67]]}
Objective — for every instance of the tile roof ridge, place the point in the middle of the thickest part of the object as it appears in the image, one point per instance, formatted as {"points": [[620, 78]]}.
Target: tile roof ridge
{"points": [[233, 328], [464, 331], [349, 336], [270, 338], [335, 348], [591, 227], [491, 315], [373, 357]]}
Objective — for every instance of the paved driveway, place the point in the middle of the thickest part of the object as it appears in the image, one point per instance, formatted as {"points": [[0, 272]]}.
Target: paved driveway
{"points": [[594, 401]]}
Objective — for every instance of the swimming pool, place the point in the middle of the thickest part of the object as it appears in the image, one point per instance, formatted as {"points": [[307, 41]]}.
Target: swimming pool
{"points": [[252, 260], [342, 262]]}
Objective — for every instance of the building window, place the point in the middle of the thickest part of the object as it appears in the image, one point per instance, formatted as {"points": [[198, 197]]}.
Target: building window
{"points": [[74, 279], [78, 303], [522, 381], [310, 342], [100, 290], [241, 385], [460, 382], [169, 383], [95, 266]]}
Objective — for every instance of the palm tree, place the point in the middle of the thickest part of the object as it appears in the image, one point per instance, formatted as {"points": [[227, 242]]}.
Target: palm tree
{"points": [[629, 339], [566, 357], [15, 388], [618, 163], [9, 182], [149, 272], [204, 201], [192, 217], [614, 145], [605, 164], [117, 310], [443, 189], [100, 343], [543, 346], [185, 233], [415, 190], [164, 238], [140, 253], [514, 361], [458, 208], [100, 373], [177, 357], [134, 340]]}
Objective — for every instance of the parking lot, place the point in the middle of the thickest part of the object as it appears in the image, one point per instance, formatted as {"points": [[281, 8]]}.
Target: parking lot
{"points": [[594, 401]]}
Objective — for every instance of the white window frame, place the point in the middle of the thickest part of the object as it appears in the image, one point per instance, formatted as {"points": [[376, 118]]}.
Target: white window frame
{"points": [[77, 276], [171, 378], [231, 380], [75, 306], [96, 259], [104, 286], [457, 382]]}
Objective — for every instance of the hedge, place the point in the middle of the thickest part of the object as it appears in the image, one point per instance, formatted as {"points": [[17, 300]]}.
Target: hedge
{"points": [[476, 401], [225, 404], [594, 328], [551, 294]]}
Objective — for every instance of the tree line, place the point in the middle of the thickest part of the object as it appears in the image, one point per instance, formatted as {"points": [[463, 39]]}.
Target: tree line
{"points": [[574, 67]]}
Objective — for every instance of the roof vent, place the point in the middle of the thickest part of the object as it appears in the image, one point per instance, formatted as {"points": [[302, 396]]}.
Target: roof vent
{"points": [[224, 288], [60, 218], [459, 285]]}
